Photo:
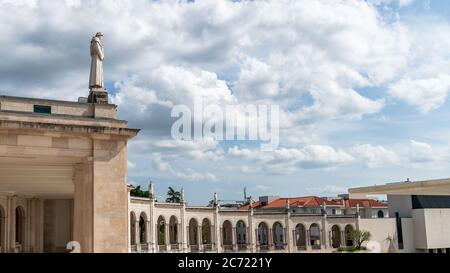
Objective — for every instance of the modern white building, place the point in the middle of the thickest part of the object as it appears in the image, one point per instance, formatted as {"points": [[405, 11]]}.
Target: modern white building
{"points": [[421, 214]]}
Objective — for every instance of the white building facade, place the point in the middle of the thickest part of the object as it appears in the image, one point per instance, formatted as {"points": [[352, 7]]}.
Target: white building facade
{"points": [[176, 227]]}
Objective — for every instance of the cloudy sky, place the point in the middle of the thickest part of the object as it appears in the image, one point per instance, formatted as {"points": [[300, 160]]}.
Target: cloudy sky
{"points": [[362, 85]]}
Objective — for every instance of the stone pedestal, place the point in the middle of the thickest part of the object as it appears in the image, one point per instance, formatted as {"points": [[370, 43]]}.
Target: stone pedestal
{"points": [[98, 95]]}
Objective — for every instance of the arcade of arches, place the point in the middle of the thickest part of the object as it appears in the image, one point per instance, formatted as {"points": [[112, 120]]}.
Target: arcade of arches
{"points": [[180, 228]]}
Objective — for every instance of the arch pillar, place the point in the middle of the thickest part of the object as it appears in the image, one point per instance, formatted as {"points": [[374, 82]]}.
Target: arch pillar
{"points": [[270, 237], [199, 238], [234, 238], [308, 239], [218, 230], [148, 226], [12, 224], [167, 235], [137, 233], [152, 247]]}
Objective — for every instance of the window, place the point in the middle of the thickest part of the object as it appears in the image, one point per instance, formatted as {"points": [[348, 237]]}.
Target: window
{"points": [[42, 109], [380, 214]]}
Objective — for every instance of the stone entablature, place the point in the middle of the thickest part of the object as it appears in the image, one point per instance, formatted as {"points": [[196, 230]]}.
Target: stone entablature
{"points": [[68, 108]]}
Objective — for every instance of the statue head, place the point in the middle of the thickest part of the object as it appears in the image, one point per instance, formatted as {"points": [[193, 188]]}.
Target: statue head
{"points": [[98, 37]]}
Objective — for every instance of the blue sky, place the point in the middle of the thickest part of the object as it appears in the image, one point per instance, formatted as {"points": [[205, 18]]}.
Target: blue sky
{"points": [[362, 85]]}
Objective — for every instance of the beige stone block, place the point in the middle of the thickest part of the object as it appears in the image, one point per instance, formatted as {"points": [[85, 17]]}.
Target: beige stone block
{"points": [[60, 142], [9, 139], [80, 143], [40, 141]]}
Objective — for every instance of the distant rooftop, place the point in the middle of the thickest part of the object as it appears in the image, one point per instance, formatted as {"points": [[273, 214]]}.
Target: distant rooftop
{"points": [[425, 187], [314, 201]]}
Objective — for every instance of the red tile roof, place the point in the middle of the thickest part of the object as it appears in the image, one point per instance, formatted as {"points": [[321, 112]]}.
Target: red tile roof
{"points": [[308, 201], [364, 203], [314, 201]]}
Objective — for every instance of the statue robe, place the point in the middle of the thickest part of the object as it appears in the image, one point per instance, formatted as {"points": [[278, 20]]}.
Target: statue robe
{"points": [[97, 56]]}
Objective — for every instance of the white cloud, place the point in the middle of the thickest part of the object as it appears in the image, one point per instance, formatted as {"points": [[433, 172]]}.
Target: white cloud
{"points": [[426, 94], [286, 160], [187, 174], [374, 156], [405, 3], [327, 190], [421, 152], [401, 3]]}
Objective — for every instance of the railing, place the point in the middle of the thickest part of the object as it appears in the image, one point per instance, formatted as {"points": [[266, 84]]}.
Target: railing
{"points": [[133, 248], [174, 246], [228, 248], [144, 248], [264, 247], [162, 248], [194, 248], [301, 248], [242, 247], [315, 247], [280, 247], [18, 248], [207, 247]]}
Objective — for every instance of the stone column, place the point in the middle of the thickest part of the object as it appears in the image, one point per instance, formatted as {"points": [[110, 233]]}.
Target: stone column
{"points": [[287, 236], [179, 237], [148, 227], [188, 239], [270, 238], [3, 230], [110, 191], [129, 219], [221, 237], [251, 234], [218, 235], [156, 236], [294, 239], [358, 216], [153, 227], [199, 238], [8, 223], [12, 224], [39, 223], [27, 233], [326, 240], [308, 239], [233, 239], [257, 240], [83, 206], [167, 235], [184, 242], [137, 235], [213, 237]]}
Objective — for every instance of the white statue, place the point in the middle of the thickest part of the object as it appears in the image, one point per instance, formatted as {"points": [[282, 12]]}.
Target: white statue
{"points": [[97, 56]]}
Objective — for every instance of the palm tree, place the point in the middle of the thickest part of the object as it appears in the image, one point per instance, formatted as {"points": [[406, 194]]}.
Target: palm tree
{"points": [[173, 196]]}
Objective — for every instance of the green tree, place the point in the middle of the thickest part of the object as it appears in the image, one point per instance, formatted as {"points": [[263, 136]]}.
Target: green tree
{"points": [[359, 237], [173, 196], [138, 192]]}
